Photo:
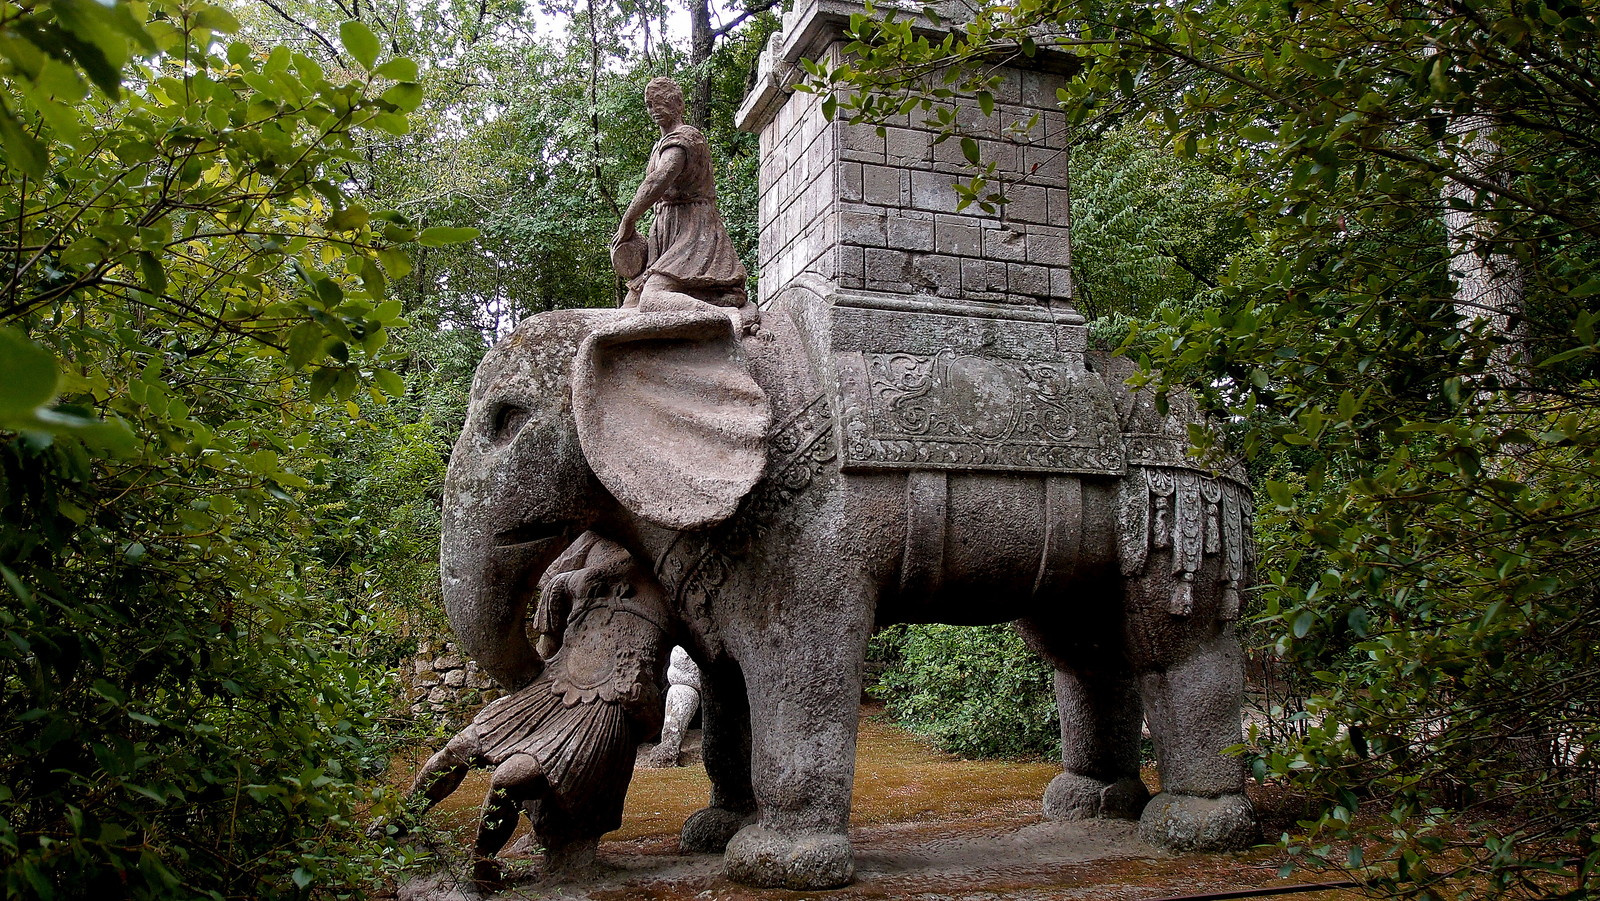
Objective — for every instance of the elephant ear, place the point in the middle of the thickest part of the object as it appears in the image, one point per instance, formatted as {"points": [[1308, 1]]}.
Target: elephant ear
{"points": [[669, 417]]}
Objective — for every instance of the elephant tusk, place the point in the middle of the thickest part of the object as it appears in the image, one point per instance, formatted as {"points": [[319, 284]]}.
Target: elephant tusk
{"points": [[530, 534]]}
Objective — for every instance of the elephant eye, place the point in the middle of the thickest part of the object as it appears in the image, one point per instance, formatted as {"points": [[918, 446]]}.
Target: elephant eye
{"points": [[508, 421]]}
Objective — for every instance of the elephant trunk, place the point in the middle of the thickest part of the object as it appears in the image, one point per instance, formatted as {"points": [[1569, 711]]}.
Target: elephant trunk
{"points": [[487, 585]]}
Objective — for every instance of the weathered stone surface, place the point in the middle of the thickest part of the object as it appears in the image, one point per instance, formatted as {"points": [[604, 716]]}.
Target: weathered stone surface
{"points": [[866, 227], [861, 143], [683, 702], [1022, 504], [763, 857], [932, 191], [983, 278], [1073, 797], [1027, 205], [1189, 823], [687, 257], [969, 410], [885, 269], [910, 230], [957, 235], [884, 186], [1033, 281], [1005, 244], [708, 830]]}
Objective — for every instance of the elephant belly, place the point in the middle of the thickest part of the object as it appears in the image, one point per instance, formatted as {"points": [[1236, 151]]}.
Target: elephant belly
{"points": [[983, 548]]}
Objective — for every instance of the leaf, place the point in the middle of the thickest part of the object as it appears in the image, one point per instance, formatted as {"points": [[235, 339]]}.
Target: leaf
{"points": [[28, 377], [399, 235], [440, 235], [391, 383], [1587, 289], [23, 151], [969, 149], [322, 382], [360, 42], [329, 293], [394, 123], [387, 312], [154, 275], [217, 19], [395, 262], [405, 95], [305, 341], [986, 103], [348, 219], [399, 68]]}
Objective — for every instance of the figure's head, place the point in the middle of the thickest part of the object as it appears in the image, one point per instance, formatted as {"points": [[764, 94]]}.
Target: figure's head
{"points": [[664, 100]]}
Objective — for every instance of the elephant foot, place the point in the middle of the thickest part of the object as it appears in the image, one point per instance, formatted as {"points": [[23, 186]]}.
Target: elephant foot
{"points": [[569, 860], [708, 830], [768, 859], [1074, 797], [1191, 823]]}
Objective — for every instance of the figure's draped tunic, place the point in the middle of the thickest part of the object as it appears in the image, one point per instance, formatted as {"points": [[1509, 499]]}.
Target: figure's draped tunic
{"points": [[583, 717], [688, 241]]}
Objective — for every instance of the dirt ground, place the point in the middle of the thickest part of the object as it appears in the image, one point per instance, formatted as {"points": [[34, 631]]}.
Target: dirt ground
{"points": [[925, 826]]}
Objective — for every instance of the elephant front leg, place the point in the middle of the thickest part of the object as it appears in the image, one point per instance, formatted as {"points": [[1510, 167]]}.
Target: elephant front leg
{"points": [[1193, 708], [804, 704], [725, 746], [1100, 720]]}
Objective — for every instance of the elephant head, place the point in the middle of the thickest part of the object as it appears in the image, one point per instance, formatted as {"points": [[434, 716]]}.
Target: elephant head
{"points": [[576, 419]]}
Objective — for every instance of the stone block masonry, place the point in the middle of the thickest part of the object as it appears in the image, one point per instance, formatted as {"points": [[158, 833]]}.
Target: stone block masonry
{"points": [[874, 208], [442, 680]]}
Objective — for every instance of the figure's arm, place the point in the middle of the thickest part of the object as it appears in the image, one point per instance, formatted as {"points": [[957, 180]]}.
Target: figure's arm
{"points": [[656, 181]]}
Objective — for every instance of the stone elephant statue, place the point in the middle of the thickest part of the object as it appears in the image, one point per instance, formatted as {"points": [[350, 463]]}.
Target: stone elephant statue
{"points": [[732, 467]]}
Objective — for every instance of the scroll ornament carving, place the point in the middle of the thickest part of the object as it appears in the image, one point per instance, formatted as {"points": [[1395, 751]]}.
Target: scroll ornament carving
{"points": [[959, 411]]}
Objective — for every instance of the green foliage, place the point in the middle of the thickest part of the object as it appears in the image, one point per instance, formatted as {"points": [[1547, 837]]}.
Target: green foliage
{"points": [[186, 284], [1433, 572], [220, 460], [1150, 232], [378, 492], [976, 691]]}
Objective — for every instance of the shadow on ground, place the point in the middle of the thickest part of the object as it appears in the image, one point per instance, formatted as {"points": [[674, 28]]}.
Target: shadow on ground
{"points": [[925, 826]]}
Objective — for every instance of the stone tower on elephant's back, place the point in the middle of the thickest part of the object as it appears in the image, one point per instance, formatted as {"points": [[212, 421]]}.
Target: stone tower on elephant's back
{"points": [[954, 342], [877, 213]]}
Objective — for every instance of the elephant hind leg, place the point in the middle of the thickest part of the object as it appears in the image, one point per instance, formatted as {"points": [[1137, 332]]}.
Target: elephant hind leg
{"points": [[1194, 715], [1100, 723], [1101, 715]]}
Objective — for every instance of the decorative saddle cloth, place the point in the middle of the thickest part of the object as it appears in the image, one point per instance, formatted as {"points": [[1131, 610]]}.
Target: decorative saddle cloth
{"points": [[923, 390]]}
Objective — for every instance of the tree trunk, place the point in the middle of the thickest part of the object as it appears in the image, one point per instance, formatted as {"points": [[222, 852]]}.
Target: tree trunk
{"points": [[1489, 281], [700, 43]]}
